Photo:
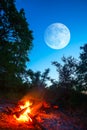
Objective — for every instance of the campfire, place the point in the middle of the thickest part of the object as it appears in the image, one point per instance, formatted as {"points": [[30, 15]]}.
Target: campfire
{"points": [[32, 113], [23, 114], [29, 112]]}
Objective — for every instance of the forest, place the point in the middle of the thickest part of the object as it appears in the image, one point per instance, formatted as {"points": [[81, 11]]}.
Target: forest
{"points": [[16, 41]]}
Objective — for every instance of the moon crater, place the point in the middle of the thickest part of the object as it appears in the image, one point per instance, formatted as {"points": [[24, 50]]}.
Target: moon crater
{"points": [[57, 36]]}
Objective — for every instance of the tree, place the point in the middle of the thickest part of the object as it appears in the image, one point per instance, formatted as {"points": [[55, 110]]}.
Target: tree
{"points": [[66, 72], [34, 78], [38, 79], [82, 69], [15, 43]]}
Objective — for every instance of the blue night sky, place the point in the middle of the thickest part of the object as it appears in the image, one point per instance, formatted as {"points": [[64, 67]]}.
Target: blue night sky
{"points": [[40, 14]]}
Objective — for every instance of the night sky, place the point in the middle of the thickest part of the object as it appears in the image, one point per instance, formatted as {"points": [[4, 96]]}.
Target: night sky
{"points": [[40, 14]]}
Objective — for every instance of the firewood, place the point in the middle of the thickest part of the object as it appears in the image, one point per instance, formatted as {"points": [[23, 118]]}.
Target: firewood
{"points": [[36, 123], [18, 113], [8, 110]]}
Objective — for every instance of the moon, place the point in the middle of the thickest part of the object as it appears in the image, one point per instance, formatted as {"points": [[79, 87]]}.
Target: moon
{"points": [[57, 36]]}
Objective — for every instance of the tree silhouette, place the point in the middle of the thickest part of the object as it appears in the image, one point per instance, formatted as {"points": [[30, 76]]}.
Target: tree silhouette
{"points": [[15, 42], [38, 79], [82, 69], [66, 72]]}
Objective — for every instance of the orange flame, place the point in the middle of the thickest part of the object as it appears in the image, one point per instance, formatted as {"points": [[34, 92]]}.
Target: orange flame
{"points": [[24, 117]]}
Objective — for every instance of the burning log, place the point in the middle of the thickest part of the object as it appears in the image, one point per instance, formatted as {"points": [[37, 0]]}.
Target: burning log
{"points": [[27, 114], [18, 113], [8, 110], [36, 123]]}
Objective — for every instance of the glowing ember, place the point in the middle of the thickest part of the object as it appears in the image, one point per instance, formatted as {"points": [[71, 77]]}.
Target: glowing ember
{"points": [[46, 105], [25, 110]]}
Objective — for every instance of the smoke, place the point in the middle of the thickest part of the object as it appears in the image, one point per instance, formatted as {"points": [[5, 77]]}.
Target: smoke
{"points": [[35, 94]]}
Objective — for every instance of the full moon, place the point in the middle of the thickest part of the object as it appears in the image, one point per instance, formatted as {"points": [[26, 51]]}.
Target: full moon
{"points": [[57, 36]]}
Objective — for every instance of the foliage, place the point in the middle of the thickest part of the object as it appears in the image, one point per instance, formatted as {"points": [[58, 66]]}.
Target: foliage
{"points": [[37, 79], [82, 69], [66, 72], [15, 42]]}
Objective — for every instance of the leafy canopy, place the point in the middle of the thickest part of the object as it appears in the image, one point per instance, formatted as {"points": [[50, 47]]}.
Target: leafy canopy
{"points": [[15, 43]]}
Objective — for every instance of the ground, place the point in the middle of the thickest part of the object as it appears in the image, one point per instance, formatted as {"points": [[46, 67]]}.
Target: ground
{"points": [[49, 119]]}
